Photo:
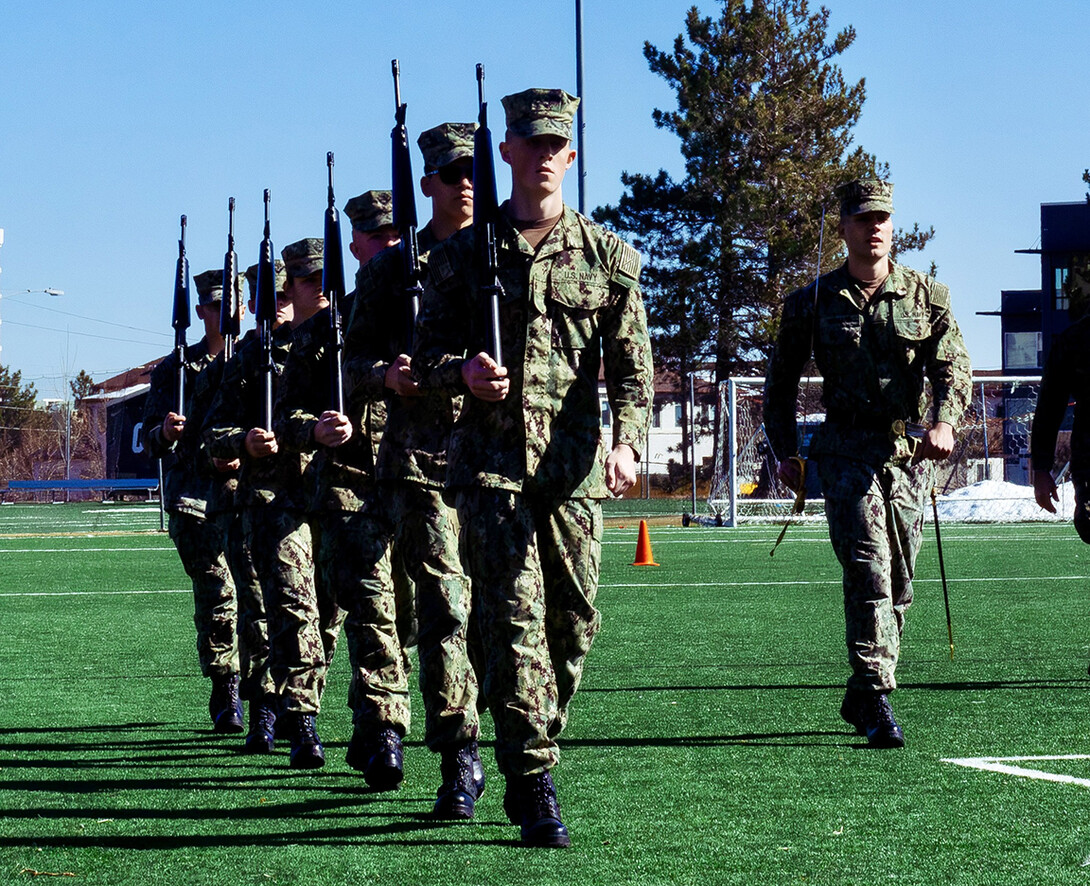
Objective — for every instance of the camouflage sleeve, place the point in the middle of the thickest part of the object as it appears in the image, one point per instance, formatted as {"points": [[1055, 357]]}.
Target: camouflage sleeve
{"points": [[365, 364], [948, 366], [442, 329], [221, 432], [626, 353], [1052, 400], [789, 356], [295, 414], [159, 402]]}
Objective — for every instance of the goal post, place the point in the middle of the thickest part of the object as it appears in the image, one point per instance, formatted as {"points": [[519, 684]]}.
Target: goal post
{"points": [[992, 446]]}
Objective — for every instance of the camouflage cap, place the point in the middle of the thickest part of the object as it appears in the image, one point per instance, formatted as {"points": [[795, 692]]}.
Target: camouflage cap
{"points": [[281, 278], [303, 257], [865, 195], [371, 210], [209, 286], [446, 143], [540, 112]]}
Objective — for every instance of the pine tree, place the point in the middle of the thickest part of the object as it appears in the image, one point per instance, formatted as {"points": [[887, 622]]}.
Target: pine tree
{"points": [[765, 119]]}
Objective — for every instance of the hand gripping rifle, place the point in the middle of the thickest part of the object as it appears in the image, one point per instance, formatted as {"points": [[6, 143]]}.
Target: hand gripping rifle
{"points": [[333, 289], [266, 312], [485, 211], [180, 319], [229, 307], [405, 209]]}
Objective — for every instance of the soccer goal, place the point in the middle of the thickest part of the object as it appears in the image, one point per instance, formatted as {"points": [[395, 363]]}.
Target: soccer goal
{"points": [[992, 448]]}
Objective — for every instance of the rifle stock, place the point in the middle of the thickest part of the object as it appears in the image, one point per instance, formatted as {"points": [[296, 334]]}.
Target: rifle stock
{"points": [[405, 209], [485, 211], [333, 287], [180, 318], [266, 313], [230, 307]]}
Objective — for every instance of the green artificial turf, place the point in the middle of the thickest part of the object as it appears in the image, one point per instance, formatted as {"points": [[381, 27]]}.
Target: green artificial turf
{"points": [[704, 746]]}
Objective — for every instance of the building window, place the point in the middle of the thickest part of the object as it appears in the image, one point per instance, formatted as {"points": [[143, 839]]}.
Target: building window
{"points": [[1060, 299], [656, 417], [678, 416], [1021, 350], [605, 413]]}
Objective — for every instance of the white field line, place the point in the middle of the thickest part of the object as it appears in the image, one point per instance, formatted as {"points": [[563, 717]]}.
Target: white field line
{"points": [[1002, 766], [80, 550], [786, 584], [95, 593]]}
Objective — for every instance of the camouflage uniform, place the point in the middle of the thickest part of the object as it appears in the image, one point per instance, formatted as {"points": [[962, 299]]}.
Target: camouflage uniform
{"points": [[271, 494], [411, 469], [874, 355], [527, 472], [1066, 378], [352, 535], [188, 483], [225, 510]]}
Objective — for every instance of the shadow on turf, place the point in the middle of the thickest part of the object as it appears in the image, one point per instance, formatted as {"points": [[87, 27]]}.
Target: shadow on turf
{"points": [[967, 685]]}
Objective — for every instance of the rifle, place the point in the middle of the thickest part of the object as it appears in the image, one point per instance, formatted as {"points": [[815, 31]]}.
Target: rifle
{"points": [[405, 208], [180, 320], [485, 210], [333, 288], [229, 307], [266, 312]]}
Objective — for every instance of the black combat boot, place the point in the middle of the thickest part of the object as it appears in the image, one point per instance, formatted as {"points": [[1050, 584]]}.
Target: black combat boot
{"points": [[262, 735], [478, 768], [872, 715], [458, 792], [530, 802], [224, 705], [307, 751], [378, 755]]}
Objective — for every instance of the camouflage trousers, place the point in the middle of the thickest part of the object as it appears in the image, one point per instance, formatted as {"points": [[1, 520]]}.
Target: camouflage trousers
{"points": [[200, 545], [253, 630], [426, 541], [352, 560], [533, 564], [875, 515], [302, 623]]}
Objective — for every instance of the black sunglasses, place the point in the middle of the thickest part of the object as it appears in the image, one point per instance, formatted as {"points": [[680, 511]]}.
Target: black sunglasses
{"points": [[453, 173]]}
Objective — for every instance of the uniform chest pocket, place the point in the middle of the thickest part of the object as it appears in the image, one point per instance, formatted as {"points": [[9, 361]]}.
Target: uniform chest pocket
{"points": [[573, 310], [840, 331], [911, 327]]}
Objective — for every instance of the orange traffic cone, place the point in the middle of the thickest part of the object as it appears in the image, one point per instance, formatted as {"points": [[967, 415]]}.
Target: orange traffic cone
{"points": [[643, 548]]}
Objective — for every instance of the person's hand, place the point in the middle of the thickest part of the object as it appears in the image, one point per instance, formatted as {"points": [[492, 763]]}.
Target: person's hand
{"points": [[620, 469], [937, 443], [1044, 490], [173, 425], [790, 472], [333, 429], [261, 443], [485, 379], [399, 378]]}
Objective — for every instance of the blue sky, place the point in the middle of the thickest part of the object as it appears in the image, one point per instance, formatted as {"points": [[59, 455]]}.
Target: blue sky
{"points": [[116, 118]]}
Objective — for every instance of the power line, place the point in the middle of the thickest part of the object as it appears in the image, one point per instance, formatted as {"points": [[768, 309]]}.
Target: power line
{"points": [[81, 317], [87, 334]]}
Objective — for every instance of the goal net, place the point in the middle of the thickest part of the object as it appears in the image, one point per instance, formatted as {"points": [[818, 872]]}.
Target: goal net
{"points": [[991, 455]]}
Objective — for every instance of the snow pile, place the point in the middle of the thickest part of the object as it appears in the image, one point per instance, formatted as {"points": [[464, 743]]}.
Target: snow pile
{"points": [[994, 501]]}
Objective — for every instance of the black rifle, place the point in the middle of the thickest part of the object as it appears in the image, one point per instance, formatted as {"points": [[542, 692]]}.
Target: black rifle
{"points": [[333, 288], [229, 307], [266, 312], [405, 209], [180, 320], [485, 212]]}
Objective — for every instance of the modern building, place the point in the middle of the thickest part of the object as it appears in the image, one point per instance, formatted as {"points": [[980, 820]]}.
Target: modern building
{"points": [[1031, 317]]}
